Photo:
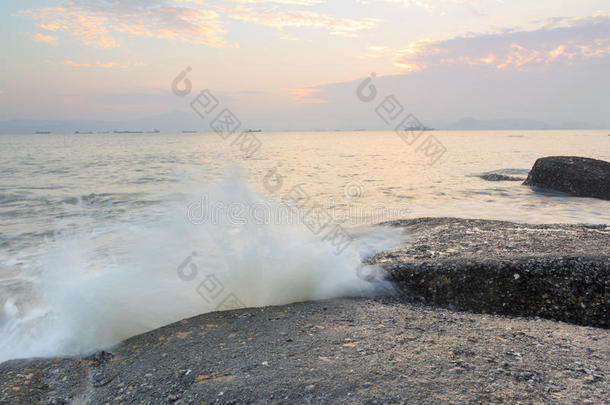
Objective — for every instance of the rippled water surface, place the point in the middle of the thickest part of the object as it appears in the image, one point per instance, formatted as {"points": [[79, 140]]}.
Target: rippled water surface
{"points": [[117, 176], [87, 204]]}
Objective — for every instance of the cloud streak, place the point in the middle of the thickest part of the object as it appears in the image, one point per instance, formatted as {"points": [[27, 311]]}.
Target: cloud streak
{"points": [[559, 41], [295, 2], [276, 18], [304, 95], [106, 24], [431, 6], [100, 65], [100, 25], [46, 39]]}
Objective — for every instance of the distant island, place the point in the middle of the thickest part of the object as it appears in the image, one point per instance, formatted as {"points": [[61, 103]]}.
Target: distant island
{"points": [[419, 128], [174, 122], [473, 124], [154, 131]]}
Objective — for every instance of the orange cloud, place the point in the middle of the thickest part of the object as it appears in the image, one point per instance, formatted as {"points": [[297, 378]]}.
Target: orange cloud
{"points": [[98, 26], [431, 6], [98, 64], [47, 39], [411, 58], [561, 42], [279, 19], [302, 95], [489, 59], [295, 2]]}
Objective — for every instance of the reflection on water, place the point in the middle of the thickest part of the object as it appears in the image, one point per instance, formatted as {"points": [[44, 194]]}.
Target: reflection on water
{"points": [[117, 177]]}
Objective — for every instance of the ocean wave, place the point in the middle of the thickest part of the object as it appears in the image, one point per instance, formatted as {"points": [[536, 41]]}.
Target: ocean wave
{"points": [[97, 288]]}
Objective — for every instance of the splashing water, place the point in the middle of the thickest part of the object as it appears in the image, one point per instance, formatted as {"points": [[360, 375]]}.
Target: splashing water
{"points": [[92, 289]]}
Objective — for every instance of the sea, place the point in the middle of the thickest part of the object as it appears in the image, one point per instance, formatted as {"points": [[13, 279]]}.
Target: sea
{"points": [[105, 236]]}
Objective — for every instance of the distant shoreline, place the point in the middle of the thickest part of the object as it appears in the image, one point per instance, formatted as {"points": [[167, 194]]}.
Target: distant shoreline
{"points": [[204, 132]]}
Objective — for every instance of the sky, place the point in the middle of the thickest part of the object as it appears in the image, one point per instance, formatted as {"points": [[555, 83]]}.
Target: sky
{"points": [[297, 64]]}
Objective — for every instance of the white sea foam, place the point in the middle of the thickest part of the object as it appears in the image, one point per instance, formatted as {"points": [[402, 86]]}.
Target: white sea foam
{"points": [[94, 288]]}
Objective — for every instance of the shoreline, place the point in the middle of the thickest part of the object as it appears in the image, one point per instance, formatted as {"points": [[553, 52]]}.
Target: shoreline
{"points": [[410, 348]]}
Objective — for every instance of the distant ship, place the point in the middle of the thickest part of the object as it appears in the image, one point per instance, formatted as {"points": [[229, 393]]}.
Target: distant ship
{"points": [[83, 133], [154, 131], [254, 130], [42, 132], [189, 132]]}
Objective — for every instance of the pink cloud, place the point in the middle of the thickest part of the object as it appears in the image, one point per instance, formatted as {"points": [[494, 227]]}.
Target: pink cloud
{"points": [[101, 24], [345, 27], [98, 26], [47, 39], [569, 42], [303, 95], [101, 65]]}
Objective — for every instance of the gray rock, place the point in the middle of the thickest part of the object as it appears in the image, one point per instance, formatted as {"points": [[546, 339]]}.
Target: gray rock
{"points": [[504, 175], [499, 177], [559, 272], [579, 176], [385, 350], [359, 351]]}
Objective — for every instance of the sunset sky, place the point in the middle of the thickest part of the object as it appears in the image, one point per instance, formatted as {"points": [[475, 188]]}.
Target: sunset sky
{"points": [[286, 63]]}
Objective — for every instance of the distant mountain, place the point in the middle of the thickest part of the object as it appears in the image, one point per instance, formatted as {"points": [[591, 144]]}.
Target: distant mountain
{"points": [[177, 121], [472, 124], [174, 121], [581, 125]]}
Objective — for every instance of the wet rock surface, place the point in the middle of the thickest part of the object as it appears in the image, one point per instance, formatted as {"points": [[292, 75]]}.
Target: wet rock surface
{"points": [[579, 176], [339, 351], [560, 272], [505, 175], [383, 350], [499, 177]]}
